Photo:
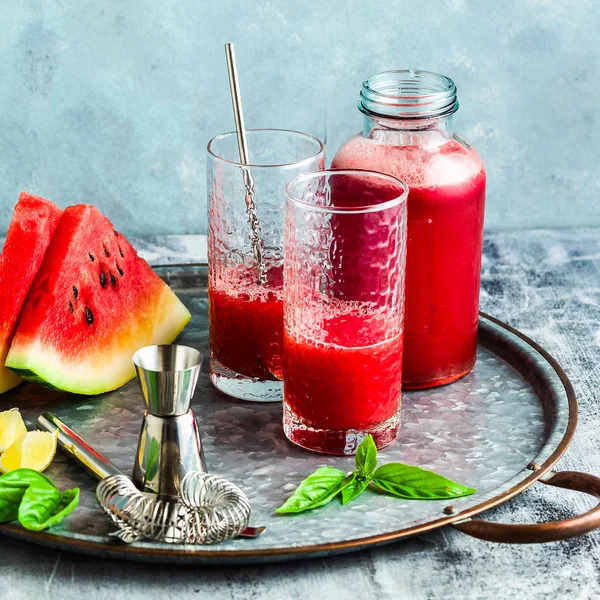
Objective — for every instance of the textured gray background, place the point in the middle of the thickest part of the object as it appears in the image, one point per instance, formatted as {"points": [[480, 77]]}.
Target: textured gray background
{"points": [[112, 102]]}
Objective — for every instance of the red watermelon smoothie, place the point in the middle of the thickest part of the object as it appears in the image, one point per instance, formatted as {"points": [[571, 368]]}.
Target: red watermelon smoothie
{"points": [[246, 322], [445, 227], [344, 308], [341, 376]]}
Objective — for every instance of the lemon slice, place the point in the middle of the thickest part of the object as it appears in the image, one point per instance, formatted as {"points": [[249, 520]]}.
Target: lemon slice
{"points": [[11, 428], [34, 450]]}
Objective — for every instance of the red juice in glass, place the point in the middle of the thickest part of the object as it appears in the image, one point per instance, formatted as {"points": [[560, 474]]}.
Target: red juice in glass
{"points": [[343, 375], [345, 243], [446, 180], [246, 323]]}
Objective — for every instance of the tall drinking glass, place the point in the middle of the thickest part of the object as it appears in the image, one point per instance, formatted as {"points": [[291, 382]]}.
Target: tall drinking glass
{"points": [[345, 246], [246, 316]]}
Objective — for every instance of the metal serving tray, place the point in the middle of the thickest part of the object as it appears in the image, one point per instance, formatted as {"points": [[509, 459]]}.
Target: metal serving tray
{"points": [[499, 429]]}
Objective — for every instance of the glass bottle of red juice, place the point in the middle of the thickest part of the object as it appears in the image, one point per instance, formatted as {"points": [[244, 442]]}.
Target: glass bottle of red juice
{"points": [[408, 133]]}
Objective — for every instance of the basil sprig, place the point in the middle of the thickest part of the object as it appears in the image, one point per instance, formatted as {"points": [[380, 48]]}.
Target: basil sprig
{"points": [[394, 479], [33, 500]]}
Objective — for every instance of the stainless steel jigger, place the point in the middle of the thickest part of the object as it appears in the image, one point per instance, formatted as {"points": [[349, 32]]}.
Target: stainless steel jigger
{"points": [[169, 445]]}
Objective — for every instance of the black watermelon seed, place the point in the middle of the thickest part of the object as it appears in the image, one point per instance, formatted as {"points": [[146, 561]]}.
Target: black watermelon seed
{"points": [[75, 292], [121, 253], [102, 279], [92, 257], [106, 252], [113, 279], [89, 315], [116, 233], [71, 309], [120, 271]]}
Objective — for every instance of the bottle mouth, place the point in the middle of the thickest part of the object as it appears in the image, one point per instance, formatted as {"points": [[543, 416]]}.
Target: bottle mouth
{"points": [[408, 94]]}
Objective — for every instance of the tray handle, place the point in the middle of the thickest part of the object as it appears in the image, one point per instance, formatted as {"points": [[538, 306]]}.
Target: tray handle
{"points": [[543, 532]]}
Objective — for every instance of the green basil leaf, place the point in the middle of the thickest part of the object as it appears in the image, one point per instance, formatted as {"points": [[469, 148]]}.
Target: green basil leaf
{"points": [[405, 481], [366, 457], [316, 490], [13, 486], [9, 504], [34, 500], [38, 513], [354, 488]]}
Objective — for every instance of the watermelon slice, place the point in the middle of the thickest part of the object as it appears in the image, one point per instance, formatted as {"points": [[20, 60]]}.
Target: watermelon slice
{"points": [[93, 304], [31, 229]]}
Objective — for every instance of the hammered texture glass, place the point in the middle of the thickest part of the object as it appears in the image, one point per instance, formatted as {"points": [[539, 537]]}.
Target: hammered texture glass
{"points": [[345, 248], [246, 317]]}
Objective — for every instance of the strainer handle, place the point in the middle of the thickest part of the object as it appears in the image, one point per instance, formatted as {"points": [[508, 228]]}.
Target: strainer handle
{"points": [[68, 441], [543, 532]]}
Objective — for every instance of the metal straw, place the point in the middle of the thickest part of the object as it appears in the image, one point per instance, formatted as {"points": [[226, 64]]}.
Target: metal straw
{"points": [[238, 115]]}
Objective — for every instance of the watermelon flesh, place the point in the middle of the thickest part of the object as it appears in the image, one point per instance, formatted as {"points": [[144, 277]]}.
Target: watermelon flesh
{"points": [[33, 224], [92, 305]]}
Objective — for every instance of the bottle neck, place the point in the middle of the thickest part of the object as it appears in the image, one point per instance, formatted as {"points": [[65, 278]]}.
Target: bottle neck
{"points": [[413, 132], [412, 107]]}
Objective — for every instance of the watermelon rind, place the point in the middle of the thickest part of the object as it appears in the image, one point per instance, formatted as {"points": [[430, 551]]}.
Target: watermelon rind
{"points": [[25, 375], [43, 365]]}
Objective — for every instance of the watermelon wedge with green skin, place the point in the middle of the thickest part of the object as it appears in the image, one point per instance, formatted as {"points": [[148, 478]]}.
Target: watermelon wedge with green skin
{"points": [[93, 304], [33, 224]]}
